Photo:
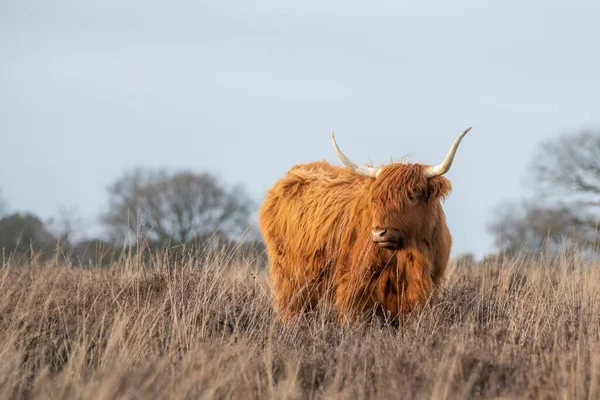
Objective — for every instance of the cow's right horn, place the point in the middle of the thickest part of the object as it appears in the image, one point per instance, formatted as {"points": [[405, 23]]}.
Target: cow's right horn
{"points": [[369, 172], [444, 167]]}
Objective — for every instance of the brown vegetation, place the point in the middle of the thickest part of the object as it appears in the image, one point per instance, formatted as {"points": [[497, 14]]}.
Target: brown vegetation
{"points": [[205, 328]]}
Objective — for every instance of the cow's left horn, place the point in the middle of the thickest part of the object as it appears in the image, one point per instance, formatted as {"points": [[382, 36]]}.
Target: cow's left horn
{"points": [[359, 169], [444, 167]]}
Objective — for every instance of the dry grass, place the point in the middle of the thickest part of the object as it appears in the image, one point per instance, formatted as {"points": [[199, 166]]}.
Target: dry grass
{"points": [[203, 329]]}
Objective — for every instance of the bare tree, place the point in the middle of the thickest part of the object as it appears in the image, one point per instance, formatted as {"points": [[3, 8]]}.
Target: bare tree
{"points": [[175, 207], [66, 225], [531, 228], [565, 207], [567, 173]]}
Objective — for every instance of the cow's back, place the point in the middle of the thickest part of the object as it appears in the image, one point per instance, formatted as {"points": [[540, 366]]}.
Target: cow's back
{"points": [[302, 221], [304, 209]]}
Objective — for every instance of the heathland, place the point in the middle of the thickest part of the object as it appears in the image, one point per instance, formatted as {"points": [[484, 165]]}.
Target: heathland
{"points": [[202, 326]]}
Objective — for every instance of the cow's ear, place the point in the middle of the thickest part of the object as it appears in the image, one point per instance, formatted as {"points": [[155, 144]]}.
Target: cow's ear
{"points": [[438, 188]]}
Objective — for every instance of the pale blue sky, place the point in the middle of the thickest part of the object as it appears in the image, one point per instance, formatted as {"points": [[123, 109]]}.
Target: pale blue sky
{"points": [[90, 88]]}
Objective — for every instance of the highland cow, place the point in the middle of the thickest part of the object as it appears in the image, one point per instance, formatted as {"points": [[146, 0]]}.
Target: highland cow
{"points": [[363, 238]]}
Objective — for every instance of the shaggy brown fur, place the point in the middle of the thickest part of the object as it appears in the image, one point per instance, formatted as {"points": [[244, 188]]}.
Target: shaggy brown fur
{"points": [[317, 222]]}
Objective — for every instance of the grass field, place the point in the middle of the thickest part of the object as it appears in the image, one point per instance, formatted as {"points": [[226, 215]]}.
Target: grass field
{"points": [[203, 328]]}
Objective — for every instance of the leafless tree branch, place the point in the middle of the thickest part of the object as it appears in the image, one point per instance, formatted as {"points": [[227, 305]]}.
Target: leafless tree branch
{"points": [[567, 203], [177, 208]]}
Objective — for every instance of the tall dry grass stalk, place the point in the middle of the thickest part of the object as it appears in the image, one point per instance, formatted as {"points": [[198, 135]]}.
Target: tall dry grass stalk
{"points": [[202, 328]]}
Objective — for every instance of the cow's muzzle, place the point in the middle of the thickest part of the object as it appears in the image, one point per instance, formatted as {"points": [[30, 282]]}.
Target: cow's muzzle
{"points": [[387, 238]]}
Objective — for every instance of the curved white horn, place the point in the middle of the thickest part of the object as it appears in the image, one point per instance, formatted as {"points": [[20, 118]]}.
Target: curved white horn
{"points": [[359, 169], [444, 167]]}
